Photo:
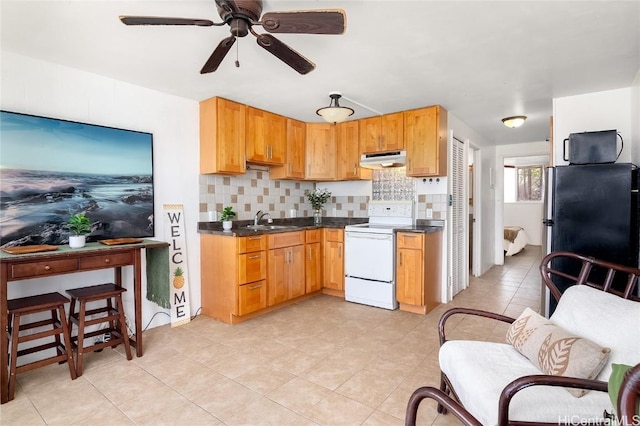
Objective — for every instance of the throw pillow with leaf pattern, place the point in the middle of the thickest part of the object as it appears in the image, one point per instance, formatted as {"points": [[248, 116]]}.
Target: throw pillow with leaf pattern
{"points": [[554, 350]]}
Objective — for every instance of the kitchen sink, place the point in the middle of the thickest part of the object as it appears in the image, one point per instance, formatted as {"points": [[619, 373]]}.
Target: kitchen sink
{"points": [[271, 227]]}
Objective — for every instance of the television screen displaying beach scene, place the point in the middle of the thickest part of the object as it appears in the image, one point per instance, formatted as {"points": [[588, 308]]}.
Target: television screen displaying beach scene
{"points": [[51, 169]]}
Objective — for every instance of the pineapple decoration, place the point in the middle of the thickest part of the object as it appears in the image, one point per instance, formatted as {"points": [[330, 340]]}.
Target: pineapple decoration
{"points": [[178, 278]]}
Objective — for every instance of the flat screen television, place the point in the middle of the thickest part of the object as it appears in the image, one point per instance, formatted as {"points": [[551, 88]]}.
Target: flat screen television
{"points": [[51, 169]]}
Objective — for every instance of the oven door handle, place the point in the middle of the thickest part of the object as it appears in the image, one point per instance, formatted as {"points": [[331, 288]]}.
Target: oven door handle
{"points": [[369, 236]]}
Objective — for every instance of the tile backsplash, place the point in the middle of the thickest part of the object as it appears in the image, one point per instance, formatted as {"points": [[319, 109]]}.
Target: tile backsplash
{"points": [[254, 191]]}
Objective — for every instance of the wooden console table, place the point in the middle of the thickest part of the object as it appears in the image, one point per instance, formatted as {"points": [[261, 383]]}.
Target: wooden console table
{"points": [[92, 257]]}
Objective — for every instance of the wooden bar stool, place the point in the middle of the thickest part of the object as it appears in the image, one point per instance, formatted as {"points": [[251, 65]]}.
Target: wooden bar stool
{"points": [[53, 302], [113, 316]]}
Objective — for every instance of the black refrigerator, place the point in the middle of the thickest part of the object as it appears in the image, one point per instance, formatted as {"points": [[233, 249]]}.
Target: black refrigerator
{"points": [[590, 210]]}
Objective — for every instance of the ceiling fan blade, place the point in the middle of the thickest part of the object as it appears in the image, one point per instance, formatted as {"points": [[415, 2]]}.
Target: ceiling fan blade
{"points": [[218, 55], [158, 20], [305, 22], [285, 53]]}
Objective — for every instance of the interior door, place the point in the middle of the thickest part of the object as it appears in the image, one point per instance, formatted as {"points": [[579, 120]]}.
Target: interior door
{"points": [[458, 203]]}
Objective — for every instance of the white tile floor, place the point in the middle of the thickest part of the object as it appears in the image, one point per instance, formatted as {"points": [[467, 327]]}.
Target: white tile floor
{"points": [[322, 361]]}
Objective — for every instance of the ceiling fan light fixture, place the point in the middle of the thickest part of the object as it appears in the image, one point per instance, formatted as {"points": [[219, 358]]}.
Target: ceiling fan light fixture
{"points": [[335, 113], [514, 121]]}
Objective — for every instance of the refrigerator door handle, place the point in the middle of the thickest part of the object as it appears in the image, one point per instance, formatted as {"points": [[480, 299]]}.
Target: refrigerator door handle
{"points": [[547, 222]]}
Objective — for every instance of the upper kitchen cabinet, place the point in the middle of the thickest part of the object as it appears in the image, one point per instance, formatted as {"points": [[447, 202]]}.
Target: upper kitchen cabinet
{"points": [[382, 134], [222, 136], [293, 167], [348, 152], [265, 137], [320, 151], [425, 133]]}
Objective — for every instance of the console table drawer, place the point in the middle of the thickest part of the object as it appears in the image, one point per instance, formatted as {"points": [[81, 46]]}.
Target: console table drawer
{"points": [[106, 260], [36, 269]]}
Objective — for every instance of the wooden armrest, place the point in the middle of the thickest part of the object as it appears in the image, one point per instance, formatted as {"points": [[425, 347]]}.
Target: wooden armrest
{"points": [[442, 398], [542, 380], [468, 311]]}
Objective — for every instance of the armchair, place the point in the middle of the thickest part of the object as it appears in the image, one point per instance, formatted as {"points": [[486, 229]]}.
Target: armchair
{"points": [[498, 385]]}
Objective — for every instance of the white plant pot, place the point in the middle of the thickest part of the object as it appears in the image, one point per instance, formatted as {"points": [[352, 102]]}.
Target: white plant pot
{"points": [[77, 241], [226, 224]]}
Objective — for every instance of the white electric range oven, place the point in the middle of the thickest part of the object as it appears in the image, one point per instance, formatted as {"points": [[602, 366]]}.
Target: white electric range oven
{"points": [[370, 254]]}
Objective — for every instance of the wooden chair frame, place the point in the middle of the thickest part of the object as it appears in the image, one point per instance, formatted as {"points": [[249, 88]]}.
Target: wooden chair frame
{"points": [[547, 272]]}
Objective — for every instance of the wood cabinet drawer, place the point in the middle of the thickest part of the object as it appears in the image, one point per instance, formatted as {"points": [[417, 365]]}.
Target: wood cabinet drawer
{"points": [[336, 235], [106, 260], [50, 267], [252, 297], [251, 244], [410, 240], [313, 236], [252, 267], [285, 239]]}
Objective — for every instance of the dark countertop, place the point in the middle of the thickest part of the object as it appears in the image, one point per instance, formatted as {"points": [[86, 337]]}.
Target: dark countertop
{"points": [[425, 226], [240, 228]]}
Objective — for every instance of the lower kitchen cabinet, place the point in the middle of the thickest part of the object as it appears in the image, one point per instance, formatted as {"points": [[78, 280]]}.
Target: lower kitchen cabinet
{"points": [[233, 274], [418, 271], [313, 260], [333, 242], [286, 265]]}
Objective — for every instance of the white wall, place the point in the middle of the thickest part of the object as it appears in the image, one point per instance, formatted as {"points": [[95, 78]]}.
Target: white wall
{"points": [[635, 120], [527, 215], [502, 152], [42, 88], [592, 112]]}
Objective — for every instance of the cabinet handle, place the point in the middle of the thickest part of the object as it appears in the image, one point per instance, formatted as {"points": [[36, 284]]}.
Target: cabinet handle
{"points": [[355, 168], [107, 260], [254, 238], [47, 268], [340, 252], [290, 169], [269, 152], [309, 250], [409, 236], [255, 256], [400, 261], [255, 287]]}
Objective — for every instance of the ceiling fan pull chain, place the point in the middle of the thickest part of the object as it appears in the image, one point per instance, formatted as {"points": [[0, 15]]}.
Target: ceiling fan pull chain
{"points": [[237, 55]]}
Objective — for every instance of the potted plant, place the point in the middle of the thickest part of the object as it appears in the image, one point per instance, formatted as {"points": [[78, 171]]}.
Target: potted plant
{"points": [[226, 216], [79, 225]]}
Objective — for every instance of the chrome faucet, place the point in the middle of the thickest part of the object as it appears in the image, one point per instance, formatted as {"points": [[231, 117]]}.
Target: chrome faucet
{"points": [[259, 216]]}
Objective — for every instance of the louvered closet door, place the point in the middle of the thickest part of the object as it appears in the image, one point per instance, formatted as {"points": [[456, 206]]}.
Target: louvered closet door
{"points": [[458, 253]]}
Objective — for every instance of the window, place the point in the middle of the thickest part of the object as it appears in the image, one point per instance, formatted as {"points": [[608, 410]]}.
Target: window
{"points": [[523, 183]]}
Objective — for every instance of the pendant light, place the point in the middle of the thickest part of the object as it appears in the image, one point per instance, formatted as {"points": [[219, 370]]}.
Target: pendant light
{"points": [[335, 113], [514, 121]]}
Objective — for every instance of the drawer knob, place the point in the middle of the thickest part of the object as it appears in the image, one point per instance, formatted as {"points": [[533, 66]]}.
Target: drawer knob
{"points": [[47, 268], [107, 260]]}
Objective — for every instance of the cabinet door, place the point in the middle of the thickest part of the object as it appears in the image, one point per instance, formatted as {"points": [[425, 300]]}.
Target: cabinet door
{"points": [[369, 134], [276, 283], [222, 137], [348, 155], [320, 156], [426, 141], [334, 265], [265, 136], [293, 167], [409, 277], [296, 272], [313, 267], [392, 131]]}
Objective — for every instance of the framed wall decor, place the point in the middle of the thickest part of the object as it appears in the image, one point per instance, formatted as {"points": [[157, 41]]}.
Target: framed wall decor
{"points": [[51, 169]]}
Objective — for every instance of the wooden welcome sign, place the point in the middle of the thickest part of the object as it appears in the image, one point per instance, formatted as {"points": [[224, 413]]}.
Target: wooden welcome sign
{"points": [[178, 269]]}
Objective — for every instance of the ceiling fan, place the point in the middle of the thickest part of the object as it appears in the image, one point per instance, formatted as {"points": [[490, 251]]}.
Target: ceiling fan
{"points": [[242, 15]]}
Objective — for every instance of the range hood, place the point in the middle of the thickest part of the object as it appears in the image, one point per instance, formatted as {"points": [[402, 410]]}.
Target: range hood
{"points": [[383, 160]]}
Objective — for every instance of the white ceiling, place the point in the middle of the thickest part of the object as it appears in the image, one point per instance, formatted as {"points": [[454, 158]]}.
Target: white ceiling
{"points": [[481, 60]]}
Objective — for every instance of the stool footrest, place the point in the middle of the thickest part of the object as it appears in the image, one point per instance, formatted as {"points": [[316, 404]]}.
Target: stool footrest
{"points": [[42, 347], [42, 323], [41, 363], [41, 334]]}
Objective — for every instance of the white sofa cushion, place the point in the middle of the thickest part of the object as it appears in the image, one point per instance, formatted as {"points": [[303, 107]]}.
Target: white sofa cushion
{"points": [[606, 319], [479, 371]]}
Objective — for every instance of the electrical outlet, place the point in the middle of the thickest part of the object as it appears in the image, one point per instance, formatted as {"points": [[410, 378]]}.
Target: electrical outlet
{"points": [[429, 213]]}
